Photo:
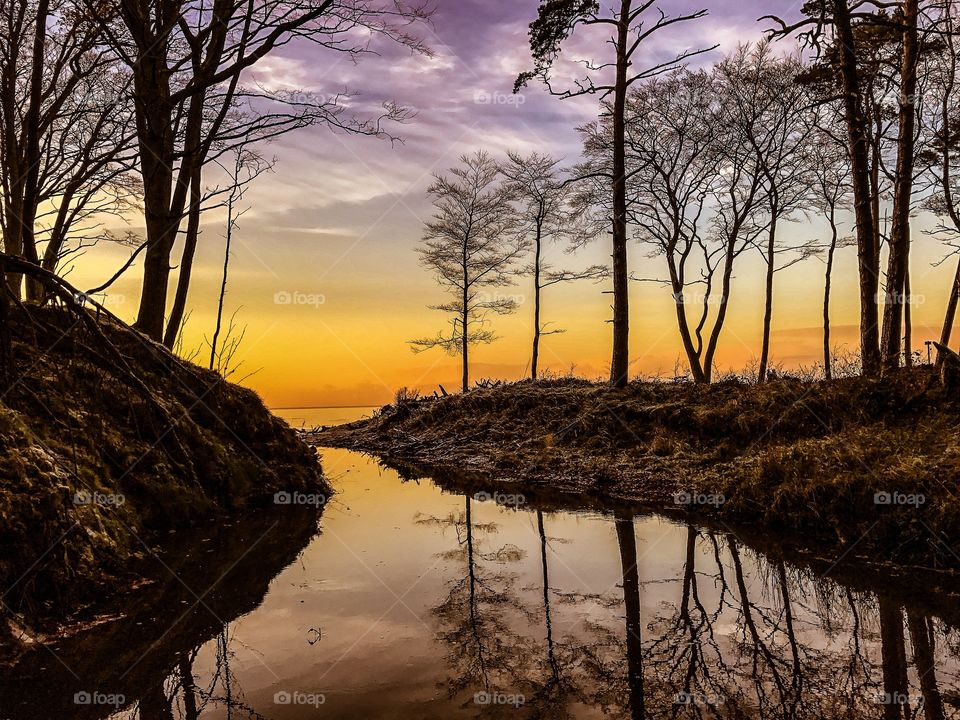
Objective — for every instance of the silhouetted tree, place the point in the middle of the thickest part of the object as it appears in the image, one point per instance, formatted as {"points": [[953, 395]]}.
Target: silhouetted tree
{"points": [[544, 214], [766, 107], [672, 154], [631, 24], [830, 172], [66, 150], [471, 245], [186, 59]]}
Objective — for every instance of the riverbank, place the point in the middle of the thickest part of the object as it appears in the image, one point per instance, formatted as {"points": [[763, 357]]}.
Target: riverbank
{"points": [[109, 445], [847, 466]]}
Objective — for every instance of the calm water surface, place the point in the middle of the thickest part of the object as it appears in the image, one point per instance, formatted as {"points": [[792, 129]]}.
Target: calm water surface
{"points": [[412, 602]]}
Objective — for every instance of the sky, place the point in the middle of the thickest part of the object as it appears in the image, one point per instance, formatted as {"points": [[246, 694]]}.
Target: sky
{"points": [[325, 281]]}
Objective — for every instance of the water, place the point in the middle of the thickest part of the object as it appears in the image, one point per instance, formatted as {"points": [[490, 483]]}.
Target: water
{"points": [[415, 602], [313, 417]]}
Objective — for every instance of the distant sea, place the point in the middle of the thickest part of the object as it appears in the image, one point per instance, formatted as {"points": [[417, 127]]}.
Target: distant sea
{"points": [[311, 417]]}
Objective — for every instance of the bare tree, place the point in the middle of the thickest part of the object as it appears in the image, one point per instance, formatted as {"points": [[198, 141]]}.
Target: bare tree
{"points": [[545, 214], [739, 197], [185, 53], [836, 19], [246, 167], [631, 26], [830, 171], [65, 154], [471, 245], [766, 108], [673, 164]]}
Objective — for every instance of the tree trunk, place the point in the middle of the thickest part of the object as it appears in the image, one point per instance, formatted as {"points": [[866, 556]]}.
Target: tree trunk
{"points": [[827, 359], [32, 142], [223, 287], [693, 357], [768, 298], [165, 191], [13, 239], [465, 346], [894, 660], [551, 655], [156, 151], [951, 313], [907, 320], [535, 356], [7, 370], [179, 307], [903, 192], [626, 539], [620, 362], [724, 297], [189, 686], [867, 255], [921, 637]]}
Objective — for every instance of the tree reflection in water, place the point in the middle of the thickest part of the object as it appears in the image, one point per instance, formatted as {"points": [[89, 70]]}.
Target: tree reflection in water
{"points": [[551, 616], [743, 636], [181, 697]]}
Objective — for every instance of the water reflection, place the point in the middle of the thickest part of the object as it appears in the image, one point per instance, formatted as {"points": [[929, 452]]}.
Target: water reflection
{"points": [[435, 605], [138, 659]]}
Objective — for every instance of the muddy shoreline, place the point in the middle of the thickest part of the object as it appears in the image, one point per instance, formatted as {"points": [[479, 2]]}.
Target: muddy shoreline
{"points": [[849, 468]]}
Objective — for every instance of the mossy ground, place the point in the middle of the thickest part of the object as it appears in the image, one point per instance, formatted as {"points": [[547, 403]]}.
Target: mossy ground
{"points": [[804, 459], [120, 419]]}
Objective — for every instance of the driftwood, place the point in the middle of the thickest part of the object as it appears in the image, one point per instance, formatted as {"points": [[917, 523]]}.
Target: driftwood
{"points": [[949, 362]]}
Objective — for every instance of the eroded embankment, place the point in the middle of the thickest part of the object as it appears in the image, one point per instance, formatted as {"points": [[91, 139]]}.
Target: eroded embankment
{"points": [[850, 465], [108, 443]]}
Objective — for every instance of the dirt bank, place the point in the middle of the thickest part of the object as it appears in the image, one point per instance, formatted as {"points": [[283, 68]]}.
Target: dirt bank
{"points": [[109, 443], [850, 465]]}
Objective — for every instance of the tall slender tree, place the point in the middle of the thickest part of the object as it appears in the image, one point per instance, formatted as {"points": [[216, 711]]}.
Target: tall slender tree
{"points": [[897, 259], [829, 26], [632, 23], [545, 215], [674, 162], [472, 245], [182, 53]]}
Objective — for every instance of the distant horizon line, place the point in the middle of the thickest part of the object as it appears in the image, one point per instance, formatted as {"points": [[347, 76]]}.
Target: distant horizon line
{"points": [[322, 407]]}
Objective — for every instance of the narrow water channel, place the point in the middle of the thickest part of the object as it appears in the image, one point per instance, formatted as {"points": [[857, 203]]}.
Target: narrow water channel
{"points": [[414, 602]]}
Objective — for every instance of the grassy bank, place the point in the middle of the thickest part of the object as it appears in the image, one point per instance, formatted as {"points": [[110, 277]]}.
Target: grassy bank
{"points": [[108, 443], [851, 465]]}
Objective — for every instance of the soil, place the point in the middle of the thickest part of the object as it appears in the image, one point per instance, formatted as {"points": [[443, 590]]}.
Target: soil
{"points": [[853, 465], [108, 444]]}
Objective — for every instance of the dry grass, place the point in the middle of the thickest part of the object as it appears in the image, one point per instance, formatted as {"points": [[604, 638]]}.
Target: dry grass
{"points": [[805, 457], [192, 446]]}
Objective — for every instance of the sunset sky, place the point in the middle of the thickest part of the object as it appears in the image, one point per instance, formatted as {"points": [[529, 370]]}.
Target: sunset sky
{"points": [[336, 224]]}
